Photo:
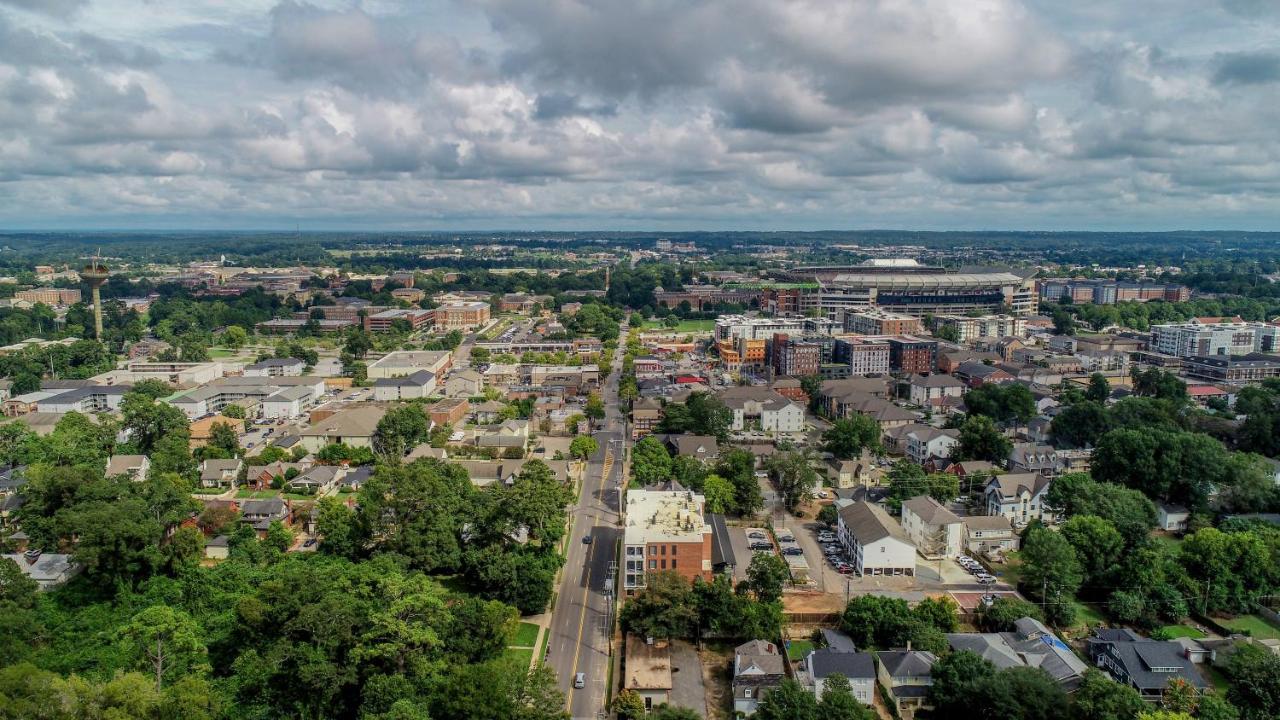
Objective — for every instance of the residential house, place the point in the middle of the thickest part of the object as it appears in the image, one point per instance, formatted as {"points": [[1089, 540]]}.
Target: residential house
{"points": [[763, 409], [1030, 644], [875, 541], [218, 548], [989, 535], [48, 570], [509, 434], [924, 442], [698, 447], [858, 667], [1172, 518], [924, 389], [859, 472], [319, 480], [1035, 458], [465, 383], [220, 473], [936, 531], [648, 670], [354, 427], [1019, 497], [974, 374], [259, 514], [414, 386], [906, 676], [646, 414], [1142, 663], [135, 467], [488, 412], [758, 667]]}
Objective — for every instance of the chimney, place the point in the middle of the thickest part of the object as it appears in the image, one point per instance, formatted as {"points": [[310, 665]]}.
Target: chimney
{"points": [[31, 556]]}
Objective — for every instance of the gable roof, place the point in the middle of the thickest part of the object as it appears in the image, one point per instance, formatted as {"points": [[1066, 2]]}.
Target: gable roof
{"points": [[870, 523], [930, 511], [1012, 485], [828, 661], [907, 663]]}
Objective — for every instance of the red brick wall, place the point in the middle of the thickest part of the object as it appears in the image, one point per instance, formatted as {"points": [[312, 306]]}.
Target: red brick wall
{"points": [[688, 557]]}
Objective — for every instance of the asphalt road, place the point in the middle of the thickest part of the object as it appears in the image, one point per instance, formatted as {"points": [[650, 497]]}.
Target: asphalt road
{"points": [[580, 623]]}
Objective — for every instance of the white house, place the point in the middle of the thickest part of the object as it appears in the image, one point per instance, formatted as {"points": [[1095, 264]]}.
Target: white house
{"points": [[288, 402], [1019, 497], [859, 668], [1173, 518], [924, 388], [925, 441], [989, 534], [464, 383], [936, 531], [875, 541], [763, 408], [135, 467]]}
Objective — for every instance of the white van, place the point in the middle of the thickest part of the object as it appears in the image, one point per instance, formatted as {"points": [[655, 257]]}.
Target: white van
{"points": [[580, 680]]}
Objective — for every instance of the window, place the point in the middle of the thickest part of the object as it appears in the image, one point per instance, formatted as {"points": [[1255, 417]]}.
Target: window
{"points": [[664, 563], [653, 550], [664, 550], [746, 692], [673, 563], [653, 564]]}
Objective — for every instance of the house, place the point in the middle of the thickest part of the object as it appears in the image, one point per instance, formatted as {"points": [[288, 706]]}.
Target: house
{"points": [[885, 413], [464, 383], [354, 427], [510, 434], [218, 548], [924, 389], [259, 514], [971, 470], [1172, 518], [648, 670], [319, 480], [1030, 644], [699, 447], [202, 430], [758, 667], [989, 535], [858, 667], [414, 386], [763, 409], [220, 473], [260, 476], [1035, 458], [1142, 663], [646, 415], [974, 374], [48, 570], [936, 531], [135, 467], [289, 402], [906, 676], [923, 442], [275, 367], [488, 412], [1019, 497], [861, 471], [875, 541]]}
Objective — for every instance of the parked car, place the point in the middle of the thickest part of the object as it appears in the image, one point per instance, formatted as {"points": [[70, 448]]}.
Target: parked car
{"points": [[792, 551], [756, 534], [985, 579]]}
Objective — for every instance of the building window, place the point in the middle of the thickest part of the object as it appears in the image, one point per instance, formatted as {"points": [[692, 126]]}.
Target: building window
{"points": [[673, 563], [653, 564], [664, 549], [653, 550]]}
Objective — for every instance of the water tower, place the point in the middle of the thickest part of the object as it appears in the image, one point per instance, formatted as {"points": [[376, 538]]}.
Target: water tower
{"points": [[96, 273]]}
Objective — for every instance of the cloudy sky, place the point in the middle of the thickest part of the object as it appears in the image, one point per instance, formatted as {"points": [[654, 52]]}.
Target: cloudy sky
{"points": [[663, 114]]}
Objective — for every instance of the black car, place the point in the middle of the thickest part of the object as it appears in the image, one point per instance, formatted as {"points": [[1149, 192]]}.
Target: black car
{"points": [[586, 539]]}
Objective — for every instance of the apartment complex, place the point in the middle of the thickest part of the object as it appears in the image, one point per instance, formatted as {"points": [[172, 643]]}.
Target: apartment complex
{"points": [[864, 356], [50, 295], [1109, 292], [881, 322], [383, 321], [1214, 336], [665, 530], [461, 316], [794, 357], [984, 326], [909, 354]]}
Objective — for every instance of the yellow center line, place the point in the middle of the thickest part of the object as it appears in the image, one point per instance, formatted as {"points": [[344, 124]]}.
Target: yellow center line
{"points": [[582, 617]]}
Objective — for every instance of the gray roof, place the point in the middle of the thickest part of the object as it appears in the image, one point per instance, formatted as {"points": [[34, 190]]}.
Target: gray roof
{"points": [[907, 663], [46, 568], [1012, 484], [930, 511], [869, 523], [1032, 644], [294, 392], [837, 640], [275, 362], [722, 554], [421, 377], [1138, 657], [828, 661]]}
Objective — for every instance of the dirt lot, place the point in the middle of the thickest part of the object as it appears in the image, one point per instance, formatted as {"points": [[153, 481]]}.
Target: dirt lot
{"points": [[717, 672]]}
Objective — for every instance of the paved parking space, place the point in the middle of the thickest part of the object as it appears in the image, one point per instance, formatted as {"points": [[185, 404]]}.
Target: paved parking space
{"points": [[687, 688]]}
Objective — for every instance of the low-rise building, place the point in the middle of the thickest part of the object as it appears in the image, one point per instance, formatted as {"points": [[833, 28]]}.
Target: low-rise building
{"points": [[989, 535], [648, 670], [1030, 644], [764, 409], [48, 570], [665, 529], [758, 668], [464, 383], [925, 388], [1144, 664], [875, 541], [1018, 497], [859, 668], [933, 529], [134, 467], [275, 367], [414, 386], [220, 473], [408, 362], [354, 427], [906, 676]]}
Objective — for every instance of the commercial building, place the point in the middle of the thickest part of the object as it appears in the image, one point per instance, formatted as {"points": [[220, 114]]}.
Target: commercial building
{"points": [[407, 362], [665, 530], [388, 319], [1108, 292], [863, 356], [732, 327], [50, 296], [797, 358], [881, 322], [1235, 369], [461, 316], [986, 326], [1214, 336]]}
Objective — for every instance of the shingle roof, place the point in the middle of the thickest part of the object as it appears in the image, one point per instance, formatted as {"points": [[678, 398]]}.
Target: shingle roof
{"points": [[870, 523], [907, 663], [930, 511], [827, 661]]}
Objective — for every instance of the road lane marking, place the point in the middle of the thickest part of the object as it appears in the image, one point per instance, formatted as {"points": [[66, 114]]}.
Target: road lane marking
{"points": [[582, 618]]}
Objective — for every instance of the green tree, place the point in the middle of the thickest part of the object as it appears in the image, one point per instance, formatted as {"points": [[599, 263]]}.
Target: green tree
{"points": [[838, 702], [418, 511], [583, 447], [336, 525], [1097, 543], [766, 576], [1254, 682], [165, 642], [279, 536], [235, 412], [793, 475], [1099, 389], [628, 705], [664, 608], [1080, 424], [594, 408], [673, 712], [1129, 511], [980, 439], [223, 437], [1001, 614], [788, 701], [1100, 698], [719, 494], [401, 429], [650, 461], [847, 438], [1051, 573], [234, 337], [152, 388], [958, 679], [147, 422]]}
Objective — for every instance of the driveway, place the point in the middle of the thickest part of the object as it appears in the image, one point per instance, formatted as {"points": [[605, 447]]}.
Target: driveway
{"points": [[687, 688]]}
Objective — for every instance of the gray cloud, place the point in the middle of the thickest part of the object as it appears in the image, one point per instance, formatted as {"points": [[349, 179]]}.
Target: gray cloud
{"points": [[1247, 68], [56, 8]]}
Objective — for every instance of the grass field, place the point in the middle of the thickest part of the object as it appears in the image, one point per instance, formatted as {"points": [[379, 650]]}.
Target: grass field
{"points": [[217, 353], [526, 635], [798, 649], [268, 494], [1177, 631], [1087, 616], [1253, 625], [689, 326], [1011, 570]]}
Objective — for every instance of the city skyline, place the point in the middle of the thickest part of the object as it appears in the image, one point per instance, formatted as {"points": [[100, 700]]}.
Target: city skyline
{"points": [[504, 115]]}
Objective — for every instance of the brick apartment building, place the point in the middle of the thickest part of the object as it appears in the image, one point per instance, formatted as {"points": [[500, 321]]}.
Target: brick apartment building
{"points": [[797, 358], [665, 530], [910, 355], [461, 316]]}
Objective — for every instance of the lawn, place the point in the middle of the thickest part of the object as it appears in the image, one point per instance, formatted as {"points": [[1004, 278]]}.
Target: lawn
{"points": [[521, 655], [268, 494], [1167, 541], [1186, 631], [798, 649], [1252, 625], [689, 326], [1011, 570], [526, 636], [1087, 616], [217, 353]]}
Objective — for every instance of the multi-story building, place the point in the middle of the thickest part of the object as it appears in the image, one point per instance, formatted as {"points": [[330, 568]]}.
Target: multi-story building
{"points": [[461, 315], [387, 319], [1215, 336], [1234, 369], [881, 322], [909, 354], [1019, 497], [914, 289], [732, 327], [50, 295], [797, 358], [934, 530], [1108, 292], [742, 353], [864, 356], [768, 410], [405, 362], [986, 326], [665, 530], [275, 367], [875, 541]]}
